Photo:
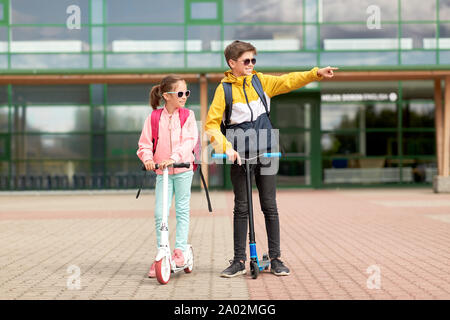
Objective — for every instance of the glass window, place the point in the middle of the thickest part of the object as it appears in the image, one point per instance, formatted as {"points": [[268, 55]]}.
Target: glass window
{"points": [[286, 59], [263, 37], [203, 10], [380, 115], [359, 37], [145, 61], [4, 119], [362, 170], [382, 58], [388, 89], [262, 11], [418, 58], [97, 94], [422, 35], [444, 9], [419, 143], [340, 116], [311, 10], [204, 60], [122, 145], [97, 11], [49, 39], [97, 38], [33, 12], [418, 89], [417, 114], [98, 61], [147, 39], [129, 94], [444, 37], [421, 171], [51, 119], [357, 10], [2, 12], [295, 144], [294, 173], [3, 39], [3, 95], [292, 114], [381, 143], [3, 61], [311, 38], [418, 10], [4, 169], [98, 118], [363, 143], [63, 94], [205, 35], [126, 118], [339, 144], [73, 146], [144, 11], [50, 61], [351, 116]]}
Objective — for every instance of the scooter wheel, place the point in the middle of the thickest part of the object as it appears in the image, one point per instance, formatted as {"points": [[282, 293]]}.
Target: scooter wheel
{"points": [[190, 266], [254, 269], [162, 270]]}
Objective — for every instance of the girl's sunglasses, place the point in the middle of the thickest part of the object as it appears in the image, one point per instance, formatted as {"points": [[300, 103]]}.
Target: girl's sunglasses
{"points": [[180, 93], [246, 62]]}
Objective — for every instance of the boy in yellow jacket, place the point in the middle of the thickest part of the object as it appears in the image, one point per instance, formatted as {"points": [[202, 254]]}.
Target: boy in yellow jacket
{"points": [[248, 108]]}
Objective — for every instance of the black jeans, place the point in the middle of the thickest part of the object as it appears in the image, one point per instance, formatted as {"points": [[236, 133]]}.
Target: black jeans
{"points": [[266, 185]]}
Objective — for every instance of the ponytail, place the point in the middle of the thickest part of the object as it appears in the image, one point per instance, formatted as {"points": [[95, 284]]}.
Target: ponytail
{"points": [[155, 97]]}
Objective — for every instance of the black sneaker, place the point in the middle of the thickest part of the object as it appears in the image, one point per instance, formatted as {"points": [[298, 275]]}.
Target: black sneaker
{"points": [[236, 268], [278, 268]]}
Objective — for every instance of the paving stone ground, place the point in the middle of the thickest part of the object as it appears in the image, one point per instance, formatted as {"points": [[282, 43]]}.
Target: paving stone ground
{"points": [[338, 244]]}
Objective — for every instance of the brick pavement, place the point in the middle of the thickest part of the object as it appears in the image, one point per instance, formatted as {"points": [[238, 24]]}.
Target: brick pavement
{"points": [[329, 239]]}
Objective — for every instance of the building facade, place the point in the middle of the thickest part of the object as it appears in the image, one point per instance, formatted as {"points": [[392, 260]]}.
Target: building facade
{"points": [[75, 77]]}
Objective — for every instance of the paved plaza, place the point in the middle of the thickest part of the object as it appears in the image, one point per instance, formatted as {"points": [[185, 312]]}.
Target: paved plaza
{"points": [[338, 244]]}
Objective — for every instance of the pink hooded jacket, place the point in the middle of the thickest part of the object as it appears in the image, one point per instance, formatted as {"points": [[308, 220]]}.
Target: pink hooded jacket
{"points": [[174, 142]]}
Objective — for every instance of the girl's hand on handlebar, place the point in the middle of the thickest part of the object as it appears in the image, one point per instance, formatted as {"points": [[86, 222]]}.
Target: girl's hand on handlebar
{"points": [[232, 155], [149, 165], [166, 163]]}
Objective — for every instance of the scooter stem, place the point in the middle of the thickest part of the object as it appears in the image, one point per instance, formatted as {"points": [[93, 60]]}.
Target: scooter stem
{"points": [[248, 175], [165, 214]]}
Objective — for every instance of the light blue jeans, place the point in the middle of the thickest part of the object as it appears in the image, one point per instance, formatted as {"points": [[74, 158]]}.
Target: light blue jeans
{"points": [[180, 185]]}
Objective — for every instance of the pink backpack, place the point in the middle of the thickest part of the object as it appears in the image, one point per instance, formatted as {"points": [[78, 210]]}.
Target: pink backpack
{"points": [[184, 114]]}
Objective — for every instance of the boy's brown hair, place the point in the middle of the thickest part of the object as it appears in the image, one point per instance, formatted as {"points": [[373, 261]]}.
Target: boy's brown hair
{"points": [[236, 49]]}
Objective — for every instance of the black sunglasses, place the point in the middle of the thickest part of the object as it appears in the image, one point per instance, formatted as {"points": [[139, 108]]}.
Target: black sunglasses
{"points": [[180, 93], [246, 62]]}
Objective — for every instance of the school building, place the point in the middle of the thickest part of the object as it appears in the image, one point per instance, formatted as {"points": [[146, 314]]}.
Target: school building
{"points": [[75, 77]]}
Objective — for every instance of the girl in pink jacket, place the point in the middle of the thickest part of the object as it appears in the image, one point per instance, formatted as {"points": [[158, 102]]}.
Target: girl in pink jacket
{"points": [[175, 144]]}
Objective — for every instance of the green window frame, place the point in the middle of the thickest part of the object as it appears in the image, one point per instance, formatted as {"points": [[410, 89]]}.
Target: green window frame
{"points": [[4, 15]]}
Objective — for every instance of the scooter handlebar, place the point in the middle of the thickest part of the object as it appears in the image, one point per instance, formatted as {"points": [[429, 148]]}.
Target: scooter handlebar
{"points": [[175, 165], [265, 155]]}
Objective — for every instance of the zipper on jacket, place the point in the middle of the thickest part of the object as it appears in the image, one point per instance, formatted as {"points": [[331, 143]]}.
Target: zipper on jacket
{"points": [[170, 136], [248, 104]]}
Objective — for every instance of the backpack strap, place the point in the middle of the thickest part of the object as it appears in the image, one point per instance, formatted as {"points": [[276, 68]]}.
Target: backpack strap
{"points": [[259, 90], [228, 101], [155, 116], [184, 114]]}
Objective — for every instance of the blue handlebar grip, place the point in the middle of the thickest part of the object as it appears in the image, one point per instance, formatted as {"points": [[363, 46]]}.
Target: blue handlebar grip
{"points": [[272, 155], [219, 156]]}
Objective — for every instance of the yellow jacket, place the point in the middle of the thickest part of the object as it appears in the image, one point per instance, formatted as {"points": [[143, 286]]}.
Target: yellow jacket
{"points": [[243, 111]]}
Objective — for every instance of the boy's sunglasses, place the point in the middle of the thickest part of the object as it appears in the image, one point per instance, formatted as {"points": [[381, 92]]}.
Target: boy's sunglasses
{"points": [[246, 62], [180, 93]]}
